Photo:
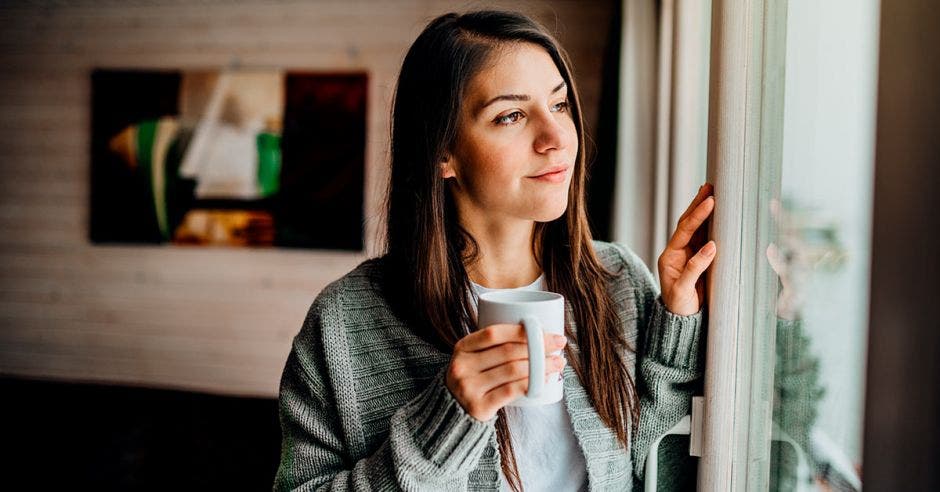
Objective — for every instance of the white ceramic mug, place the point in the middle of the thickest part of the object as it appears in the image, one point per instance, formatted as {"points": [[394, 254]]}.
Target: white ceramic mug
{"points": [[538, 312]]}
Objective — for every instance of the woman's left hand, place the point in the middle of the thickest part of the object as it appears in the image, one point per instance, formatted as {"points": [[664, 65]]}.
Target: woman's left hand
{"points": [[684, 260]]}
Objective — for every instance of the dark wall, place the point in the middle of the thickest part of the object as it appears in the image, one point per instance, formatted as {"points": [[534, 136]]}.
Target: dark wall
{"points": [[902, 413]]}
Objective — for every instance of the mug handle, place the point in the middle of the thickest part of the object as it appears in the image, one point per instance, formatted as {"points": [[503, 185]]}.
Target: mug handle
{"points": [[533, 334]]}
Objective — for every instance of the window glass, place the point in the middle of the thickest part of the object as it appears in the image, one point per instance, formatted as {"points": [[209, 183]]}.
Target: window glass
{"points": [[820, 249]]}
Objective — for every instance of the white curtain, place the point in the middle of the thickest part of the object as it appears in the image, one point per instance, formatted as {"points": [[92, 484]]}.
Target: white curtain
{"points": [[661, 146]]}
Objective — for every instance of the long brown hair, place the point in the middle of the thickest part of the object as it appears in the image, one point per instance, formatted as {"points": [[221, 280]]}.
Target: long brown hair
{"points": [[428, 251]]}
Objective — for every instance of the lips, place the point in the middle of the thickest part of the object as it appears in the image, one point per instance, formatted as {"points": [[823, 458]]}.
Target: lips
{"points": [[553, 174]]}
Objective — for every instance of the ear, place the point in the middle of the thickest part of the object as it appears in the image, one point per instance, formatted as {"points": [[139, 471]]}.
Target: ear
{"points": [[447, 168]]}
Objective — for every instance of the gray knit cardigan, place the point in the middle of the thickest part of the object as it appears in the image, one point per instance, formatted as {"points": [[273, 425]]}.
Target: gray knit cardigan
{"points": [[363, 404]]}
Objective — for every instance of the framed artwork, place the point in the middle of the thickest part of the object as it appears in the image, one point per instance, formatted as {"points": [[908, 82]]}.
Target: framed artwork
{"points": [[257, 158]]}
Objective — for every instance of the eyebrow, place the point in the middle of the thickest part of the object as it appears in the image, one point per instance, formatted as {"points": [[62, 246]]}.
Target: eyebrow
{"points": [[515, 97]]}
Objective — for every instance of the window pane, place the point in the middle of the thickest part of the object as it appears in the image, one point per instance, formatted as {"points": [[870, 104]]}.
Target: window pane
{"points": [[820, 248]]}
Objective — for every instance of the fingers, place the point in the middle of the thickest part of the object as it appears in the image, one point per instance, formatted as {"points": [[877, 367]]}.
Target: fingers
{"points": [[509, 381], [696, 266], [703, 191], [493, 357], [514, 371], [510, 351], [776, 260], [502, 395], [690, 223], [491, 336], [691, 232]]}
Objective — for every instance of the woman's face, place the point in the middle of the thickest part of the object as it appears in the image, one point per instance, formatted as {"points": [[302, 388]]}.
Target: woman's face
{"points": [[516, 145]]}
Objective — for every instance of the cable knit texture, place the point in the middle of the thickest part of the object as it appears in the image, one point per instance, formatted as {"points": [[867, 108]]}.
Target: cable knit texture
{"points": [[363, 404]]}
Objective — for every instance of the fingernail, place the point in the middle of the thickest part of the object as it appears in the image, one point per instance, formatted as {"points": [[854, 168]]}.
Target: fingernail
{"points": [[560, 339], [710, 248]]}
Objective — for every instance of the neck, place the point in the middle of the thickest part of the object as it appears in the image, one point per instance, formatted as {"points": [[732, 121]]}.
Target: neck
{"points": [[505, 258]]}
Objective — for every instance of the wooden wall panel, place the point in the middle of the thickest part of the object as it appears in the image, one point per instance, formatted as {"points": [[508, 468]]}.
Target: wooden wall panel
{"points": [[215, 320]]}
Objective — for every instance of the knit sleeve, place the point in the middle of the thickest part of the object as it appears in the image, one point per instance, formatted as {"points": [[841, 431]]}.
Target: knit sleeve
{"points": [[796, 381], [670, 360], [797, 392], [432, 444]]}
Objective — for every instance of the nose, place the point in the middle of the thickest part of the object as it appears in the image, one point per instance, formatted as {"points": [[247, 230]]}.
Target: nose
{"points": [[553, 134]]}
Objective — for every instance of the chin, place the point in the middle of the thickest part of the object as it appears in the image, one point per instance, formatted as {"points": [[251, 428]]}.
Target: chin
{"points": [[550, 213]]}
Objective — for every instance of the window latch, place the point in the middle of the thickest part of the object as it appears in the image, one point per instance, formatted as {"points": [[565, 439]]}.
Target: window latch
{"points": [[695, 430]]}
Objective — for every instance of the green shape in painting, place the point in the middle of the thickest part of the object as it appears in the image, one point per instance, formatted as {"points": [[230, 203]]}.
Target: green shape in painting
{"points": [[269, 163]]}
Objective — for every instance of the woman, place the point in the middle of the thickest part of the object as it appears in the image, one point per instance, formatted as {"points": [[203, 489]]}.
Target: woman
{"points": [[389, 385]]}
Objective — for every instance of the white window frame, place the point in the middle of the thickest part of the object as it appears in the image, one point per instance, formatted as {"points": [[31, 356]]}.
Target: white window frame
{"points": [[745, 126]]}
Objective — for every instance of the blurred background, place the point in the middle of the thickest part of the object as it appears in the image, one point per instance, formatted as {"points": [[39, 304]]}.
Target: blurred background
{"points": [[179, 180], [147, 308]]}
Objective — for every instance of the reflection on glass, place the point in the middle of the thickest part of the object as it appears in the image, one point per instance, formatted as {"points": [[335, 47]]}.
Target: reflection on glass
{"points": [[820, 251], [804, 455]]}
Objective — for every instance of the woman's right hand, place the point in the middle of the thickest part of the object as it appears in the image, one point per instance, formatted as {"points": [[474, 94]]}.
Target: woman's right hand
{"points": [[490, 368]]}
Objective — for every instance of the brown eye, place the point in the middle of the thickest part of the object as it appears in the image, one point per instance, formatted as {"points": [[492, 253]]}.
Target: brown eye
{"points": [[509, 118], [562, 107]]}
